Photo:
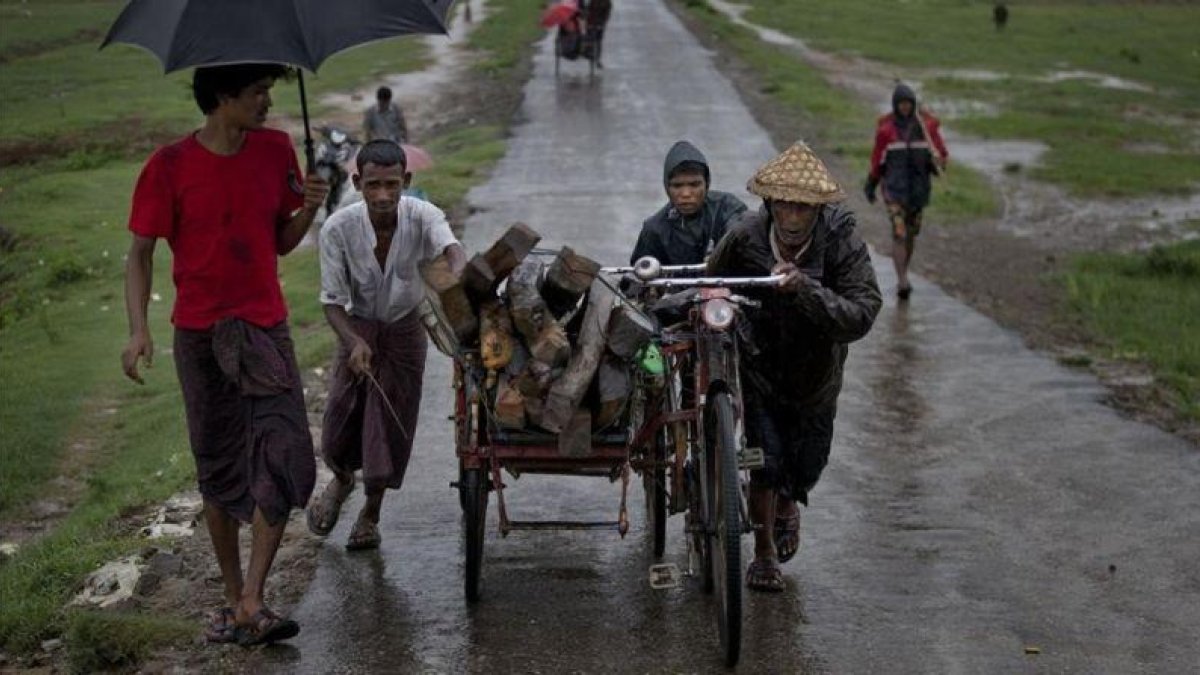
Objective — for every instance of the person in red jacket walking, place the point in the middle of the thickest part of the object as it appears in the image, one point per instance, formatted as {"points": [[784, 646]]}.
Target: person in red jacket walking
{"points": [[908, 151]]}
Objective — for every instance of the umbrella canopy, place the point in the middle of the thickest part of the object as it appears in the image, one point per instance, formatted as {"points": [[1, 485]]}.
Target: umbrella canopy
{"points": [[186, 33], [557, 15], [302, 33], [417, 158]]}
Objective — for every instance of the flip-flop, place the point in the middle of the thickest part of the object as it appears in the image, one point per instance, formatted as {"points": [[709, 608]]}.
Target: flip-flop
{"points": [[322, 515], [222, 627], [787, 535], [364, 536], [764, 575], [266, 627]]}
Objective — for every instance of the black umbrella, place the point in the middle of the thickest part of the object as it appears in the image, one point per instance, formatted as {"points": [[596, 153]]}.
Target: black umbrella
{"points": [[301, 33]]}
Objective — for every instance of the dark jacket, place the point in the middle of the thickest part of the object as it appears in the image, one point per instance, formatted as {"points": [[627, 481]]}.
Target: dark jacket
{"points": [[798, 342], [676, 240], [903, 158]]}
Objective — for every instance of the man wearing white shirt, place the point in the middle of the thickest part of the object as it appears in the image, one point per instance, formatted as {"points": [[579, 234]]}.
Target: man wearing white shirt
{"points": [[370, 287]]}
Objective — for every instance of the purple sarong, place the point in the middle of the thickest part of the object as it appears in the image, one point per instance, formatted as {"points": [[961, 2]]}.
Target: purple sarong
{"points": [[246, 418], [358, 431]]}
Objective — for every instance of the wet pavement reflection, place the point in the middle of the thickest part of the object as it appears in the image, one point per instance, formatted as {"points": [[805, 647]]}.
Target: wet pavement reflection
{"points": [[976, 496]]}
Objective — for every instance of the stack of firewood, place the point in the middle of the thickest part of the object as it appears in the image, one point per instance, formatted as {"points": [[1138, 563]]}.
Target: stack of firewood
{"points": [[555, 339]]}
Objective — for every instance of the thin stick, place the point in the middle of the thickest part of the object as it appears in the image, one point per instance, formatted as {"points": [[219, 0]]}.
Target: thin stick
{"points": [[387, 404]]}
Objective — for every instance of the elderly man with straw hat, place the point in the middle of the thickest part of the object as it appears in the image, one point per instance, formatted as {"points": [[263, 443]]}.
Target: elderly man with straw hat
{"points": [[791, 368]]}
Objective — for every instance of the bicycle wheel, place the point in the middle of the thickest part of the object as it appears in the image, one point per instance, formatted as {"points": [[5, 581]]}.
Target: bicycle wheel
{"points": [[475, 495], [725, 518]]}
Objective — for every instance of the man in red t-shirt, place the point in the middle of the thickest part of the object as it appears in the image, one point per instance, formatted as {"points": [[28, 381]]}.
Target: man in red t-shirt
{"points": [[229, 199]]}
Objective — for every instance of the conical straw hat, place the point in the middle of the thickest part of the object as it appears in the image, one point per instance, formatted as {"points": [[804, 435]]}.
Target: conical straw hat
{"points": [[797, 175]]}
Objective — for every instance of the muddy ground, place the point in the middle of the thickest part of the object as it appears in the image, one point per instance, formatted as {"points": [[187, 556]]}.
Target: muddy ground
{"points": [[990, 264]]}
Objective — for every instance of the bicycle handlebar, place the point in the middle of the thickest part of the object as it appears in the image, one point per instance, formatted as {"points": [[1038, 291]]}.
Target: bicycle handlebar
{"points": [[718, 282]]}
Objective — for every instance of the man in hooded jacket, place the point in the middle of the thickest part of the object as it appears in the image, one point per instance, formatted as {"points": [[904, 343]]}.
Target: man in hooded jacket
{"points": [[908, 150], [688, 227], [791, 366]]}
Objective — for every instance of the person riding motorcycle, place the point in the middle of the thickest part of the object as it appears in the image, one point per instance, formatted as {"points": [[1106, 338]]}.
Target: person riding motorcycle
{"points": [[334, 152]]}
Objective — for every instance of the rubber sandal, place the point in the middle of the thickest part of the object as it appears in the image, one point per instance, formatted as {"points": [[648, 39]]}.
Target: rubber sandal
{"points": [[322, 515], [364, 536], [222, 627], [266, 627], [765, 576], [787, 536]]}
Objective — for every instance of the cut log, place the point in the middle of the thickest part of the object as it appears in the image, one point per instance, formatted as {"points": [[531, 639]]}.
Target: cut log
{"points": [[615, 384], [451, 297], [575, 439], [569, 389], [494, 316], [568, 278], [628, 331], [486, 270], [534, 408], [510, 406], [551, 346], [535, 380], [510, 249], [480, 280], [526, 305]]}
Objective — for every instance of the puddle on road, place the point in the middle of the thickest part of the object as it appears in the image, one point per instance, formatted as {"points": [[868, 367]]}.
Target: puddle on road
{"points": [[416, 92], [1099, 79], [1031, 208]]}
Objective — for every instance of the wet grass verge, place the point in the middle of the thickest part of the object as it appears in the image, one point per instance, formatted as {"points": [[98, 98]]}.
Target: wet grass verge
{"points": [[1148, 306], [98, 641], [70, 239], [844, 127], [65, 100], [1096, 82], [140, 443]]}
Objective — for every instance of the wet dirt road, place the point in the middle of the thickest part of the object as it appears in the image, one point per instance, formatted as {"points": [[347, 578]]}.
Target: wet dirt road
{"points": [[980, 499]]}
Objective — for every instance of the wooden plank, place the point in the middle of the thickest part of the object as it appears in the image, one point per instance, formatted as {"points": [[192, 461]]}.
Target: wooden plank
{"points": [[569, 389]]}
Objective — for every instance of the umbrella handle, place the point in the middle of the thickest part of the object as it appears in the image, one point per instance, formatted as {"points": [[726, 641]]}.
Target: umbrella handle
{"points": [[309, 154]]}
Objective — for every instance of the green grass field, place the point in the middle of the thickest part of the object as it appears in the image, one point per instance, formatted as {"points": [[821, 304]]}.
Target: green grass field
{"points": [[841, 124], [62, 322], [1144, 306], [1148, 307], [1097, 135]]}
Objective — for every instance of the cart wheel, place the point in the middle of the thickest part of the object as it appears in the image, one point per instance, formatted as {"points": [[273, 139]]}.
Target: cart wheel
{"points": [[655, 483], [474, 492], [724, 513]]}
